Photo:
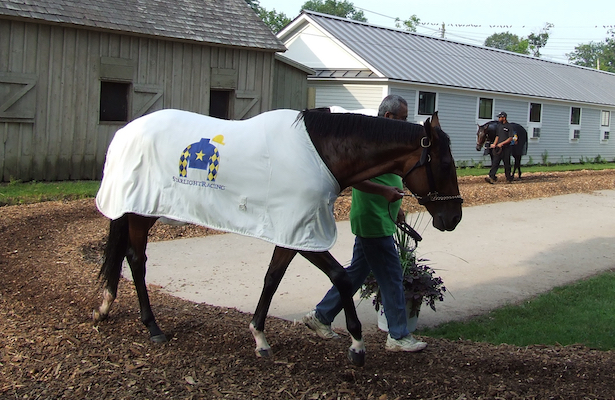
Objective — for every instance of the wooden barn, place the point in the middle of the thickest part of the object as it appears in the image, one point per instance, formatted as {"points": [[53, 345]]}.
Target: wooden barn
{"points": [[72, 72]]}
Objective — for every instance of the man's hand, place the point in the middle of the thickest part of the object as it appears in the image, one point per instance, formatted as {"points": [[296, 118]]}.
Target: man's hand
{"points": [[393, 194]]}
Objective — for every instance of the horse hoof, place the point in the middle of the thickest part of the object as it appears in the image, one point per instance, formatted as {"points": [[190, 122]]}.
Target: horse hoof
{"points": [[356, 359], [159, 338], [98, 317], [263, 353]]}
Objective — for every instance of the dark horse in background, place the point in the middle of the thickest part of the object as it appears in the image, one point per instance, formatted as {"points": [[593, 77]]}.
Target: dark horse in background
{"points": [[486, 134], [355, 148]]}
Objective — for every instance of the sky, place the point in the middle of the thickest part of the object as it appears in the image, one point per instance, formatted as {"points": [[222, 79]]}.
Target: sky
{"points": [[472, 21]]}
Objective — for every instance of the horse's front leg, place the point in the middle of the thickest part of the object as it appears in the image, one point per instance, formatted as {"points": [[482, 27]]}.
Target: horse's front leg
{"points": [[138, 229], [277, 268], [339, 277]]}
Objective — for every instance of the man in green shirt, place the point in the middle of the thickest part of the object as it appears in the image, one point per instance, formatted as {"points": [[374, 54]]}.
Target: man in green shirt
{"points": [[374, 251]]}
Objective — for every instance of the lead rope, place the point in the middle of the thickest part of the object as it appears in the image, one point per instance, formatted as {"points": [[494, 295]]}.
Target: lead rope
{"points": [[406, 228]]}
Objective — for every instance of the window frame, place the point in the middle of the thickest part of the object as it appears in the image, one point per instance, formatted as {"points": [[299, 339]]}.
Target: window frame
{"points": [[578, 116], [104, 99], [482, 101], [418, 103], [608, 118], [534, 126]]}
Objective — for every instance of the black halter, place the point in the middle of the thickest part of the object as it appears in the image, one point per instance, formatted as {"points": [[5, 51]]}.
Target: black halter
{"points": [[425, 161], [432, 196]]}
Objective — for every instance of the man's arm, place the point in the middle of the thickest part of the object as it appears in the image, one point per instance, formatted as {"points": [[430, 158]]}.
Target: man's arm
{"points": [[391, 193]]}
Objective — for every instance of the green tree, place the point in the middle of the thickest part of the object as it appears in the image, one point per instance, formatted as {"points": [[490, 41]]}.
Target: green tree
{"points": [[508, 41], [539, 40], [410, 24], [607, 62], [586, 55], [344, 9], [599, 55], [273, 19], [254, 4]]}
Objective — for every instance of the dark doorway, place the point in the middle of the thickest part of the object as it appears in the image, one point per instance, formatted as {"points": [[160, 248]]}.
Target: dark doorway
{"points": [[219, 104]]}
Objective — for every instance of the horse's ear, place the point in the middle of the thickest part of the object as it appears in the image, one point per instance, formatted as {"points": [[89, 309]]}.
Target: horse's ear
{"points": [[435, 121]]}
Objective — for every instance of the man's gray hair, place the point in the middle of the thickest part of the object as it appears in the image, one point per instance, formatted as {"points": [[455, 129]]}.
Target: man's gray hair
{"points": [[392, 103]]}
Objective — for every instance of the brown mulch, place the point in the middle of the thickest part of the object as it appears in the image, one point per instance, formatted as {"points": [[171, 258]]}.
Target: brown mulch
{"points": [[49, 349]]}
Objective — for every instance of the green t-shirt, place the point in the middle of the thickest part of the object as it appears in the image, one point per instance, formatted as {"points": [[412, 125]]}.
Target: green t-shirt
{"points": [[369, 213]]}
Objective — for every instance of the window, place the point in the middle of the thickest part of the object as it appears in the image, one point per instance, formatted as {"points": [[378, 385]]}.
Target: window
{"points": [[427, 103], [114, 101], [219, 104], [575, 116], [605, 135], [535, 112], [605, 119], [485, 108]]}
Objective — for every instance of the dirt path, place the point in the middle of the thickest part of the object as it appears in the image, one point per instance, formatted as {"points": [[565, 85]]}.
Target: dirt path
{"points": [[49, 256]]}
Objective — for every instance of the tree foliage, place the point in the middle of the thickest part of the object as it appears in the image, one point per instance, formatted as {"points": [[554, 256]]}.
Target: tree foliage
{"points": [[344, 9], [410, 24], [511, 42], [539, 40], [599, 55], [273, 19], [508, 41]]}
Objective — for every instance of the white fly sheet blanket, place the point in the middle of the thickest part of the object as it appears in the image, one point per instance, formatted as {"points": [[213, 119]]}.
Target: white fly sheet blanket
{"points": [[261, 177]]}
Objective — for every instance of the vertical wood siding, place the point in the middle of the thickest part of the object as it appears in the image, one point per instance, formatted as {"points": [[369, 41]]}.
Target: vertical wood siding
{"points": [[53, 132], [289, 87]]}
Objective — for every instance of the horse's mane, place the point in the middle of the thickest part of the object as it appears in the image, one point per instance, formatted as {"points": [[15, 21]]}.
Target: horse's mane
{"points": [[321, 122]]}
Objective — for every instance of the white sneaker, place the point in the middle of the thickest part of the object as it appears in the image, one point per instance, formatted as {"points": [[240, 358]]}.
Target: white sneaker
{"points": [[408, 343], [322, 330]]}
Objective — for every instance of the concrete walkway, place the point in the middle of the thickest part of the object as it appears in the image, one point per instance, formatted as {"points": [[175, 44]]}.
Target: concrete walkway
{"points": [[499, 254]]}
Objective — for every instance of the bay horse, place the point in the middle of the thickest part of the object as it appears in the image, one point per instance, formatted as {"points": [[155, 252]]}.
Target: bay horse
{"points": [[486, 133], [349, 147]]}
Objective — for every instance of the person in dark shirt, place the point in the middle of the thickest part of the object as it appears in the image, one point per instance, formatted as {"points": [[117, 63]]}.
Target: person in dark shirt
{"points": [[500, 149]]}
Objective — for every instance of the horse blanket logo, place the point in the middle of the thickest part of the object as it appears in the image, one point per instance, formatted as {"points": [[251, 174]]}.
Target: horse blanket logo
{"points": [[260, 177], [201, 155]]}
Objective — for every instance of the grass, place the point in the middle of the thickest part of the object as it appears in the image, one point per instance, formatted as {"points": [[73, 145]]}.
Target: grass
{"points": [[580, 313], [17, 192], [539, 168]]}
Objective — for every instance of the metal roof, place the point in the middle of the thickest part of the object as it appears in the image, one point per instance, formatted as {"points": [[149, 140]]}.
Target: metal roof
{"points": [[411, 57], [218, 22]]}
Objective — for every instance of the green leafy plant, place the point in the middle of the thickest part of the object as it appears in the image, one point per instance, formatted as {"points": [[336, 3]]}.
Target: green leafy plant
{"points": [[545, 157], [419, 280]]}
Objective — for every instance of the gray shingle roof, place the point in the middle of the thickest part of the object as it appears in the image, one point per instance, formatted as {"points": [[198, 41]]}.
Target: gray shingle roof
{"points": [[411, 57], [221, 22]]}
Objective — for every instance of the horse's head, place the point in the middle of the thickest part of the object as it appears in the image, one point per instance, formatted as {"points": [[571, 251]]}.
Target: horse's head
{"points": [[433, 179], [481, 136], [485, 133]]}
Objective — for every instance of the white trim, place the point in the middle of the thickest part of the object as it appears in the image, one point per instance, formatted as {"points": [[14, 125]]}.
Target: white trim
{"points": [[420, 118]]}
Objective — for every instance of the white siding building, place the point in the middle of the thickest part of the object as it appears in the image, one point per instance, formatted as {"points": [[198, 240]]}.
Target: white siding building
{"points": [[567, 110]]}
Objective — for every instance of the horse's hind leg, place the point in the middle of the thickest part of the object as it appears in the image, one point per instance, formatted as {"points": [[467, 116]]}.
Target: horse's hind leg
{"points": [[277, 268], [517, 166], [115, 251], [339, 277], [138, 229]]}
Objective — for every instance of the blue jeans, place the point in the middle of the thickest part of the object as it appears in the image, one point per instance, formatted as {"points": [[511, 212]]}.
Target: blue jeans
{"points": [[380, 256]]}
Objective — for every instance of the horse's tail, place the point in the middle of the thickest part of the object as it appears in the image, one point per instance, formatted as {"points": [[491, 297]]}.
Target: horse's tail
{"points": [[115, 251]]}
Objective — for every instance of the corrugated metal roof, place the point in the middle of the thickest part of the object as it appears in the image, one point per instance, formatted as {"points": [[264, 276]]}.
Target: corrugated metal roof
{"points": [[412, 57], [221, 22]]}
